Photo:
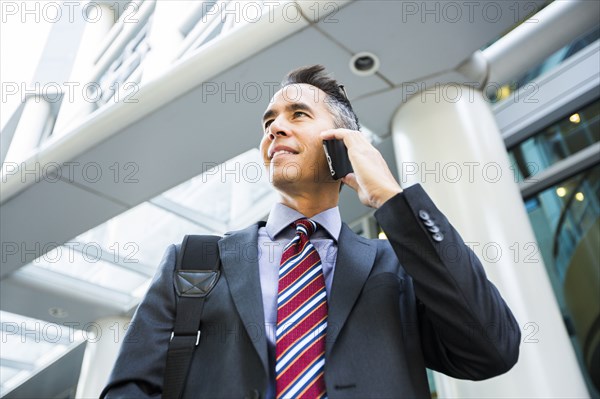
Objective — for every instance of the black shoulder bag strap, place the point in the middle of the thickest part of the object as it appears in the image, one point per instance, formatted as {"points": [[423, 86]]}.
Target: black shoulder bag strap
{"points": [[196, 273]]}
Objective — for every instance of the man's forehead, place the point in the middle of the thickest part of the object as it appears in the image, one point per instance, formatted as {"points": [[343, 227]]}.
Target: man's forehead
{"points": [[298, 92]]}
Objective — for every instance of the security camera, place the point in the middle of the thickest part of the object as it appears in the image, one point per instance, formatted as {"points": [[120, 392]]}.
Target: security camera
{"points": [[364, 63]]}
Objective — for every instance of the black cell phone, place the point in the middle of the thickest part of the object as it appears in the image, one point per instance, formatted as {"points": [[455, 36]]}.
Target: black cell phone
{"points": [[337, 158]]}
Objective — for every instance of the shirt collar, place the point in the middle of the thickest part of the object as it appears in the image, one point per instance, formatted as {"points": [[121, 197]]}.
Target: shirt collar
{"points": [[282, 216]]}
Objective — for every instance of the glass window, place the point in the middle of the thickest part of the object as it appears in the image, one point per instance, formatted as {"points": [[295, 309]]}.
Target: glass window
{"points": [[549, 63], [566, 220], [569, 135], [561, 215], [29, 345]]}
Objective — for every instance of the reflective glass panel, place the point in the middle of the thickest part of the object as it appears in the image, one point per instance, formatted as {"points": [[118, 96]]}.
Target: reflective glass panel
{"points": [[29, 345], [569, 135], [548, 64]]}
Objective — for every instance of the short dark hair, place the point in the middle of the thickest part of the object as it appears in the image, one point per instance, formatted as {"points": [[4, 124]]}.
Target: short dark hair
{"points": [[336, 101]]}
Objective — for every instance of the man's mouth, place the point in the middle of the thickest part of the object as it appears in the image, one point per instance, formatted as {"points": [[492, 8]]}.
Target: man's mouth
{"points": [[279, 150]]}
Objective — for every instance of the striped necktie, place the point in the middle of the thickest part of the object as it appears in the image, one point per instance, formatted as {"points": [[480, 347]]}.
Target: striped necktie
{"points": [[301, 318]]}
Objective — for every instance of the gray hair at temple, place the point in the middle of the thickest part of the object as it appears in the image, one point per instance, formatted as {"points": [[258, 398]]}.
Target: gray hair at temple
{"points": [[336, 101]]}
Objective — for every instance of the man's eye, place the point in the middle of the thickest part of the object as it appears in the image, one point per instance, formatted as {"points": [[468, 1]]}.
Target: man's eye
{"points": [[300, 113], [268, 123]]}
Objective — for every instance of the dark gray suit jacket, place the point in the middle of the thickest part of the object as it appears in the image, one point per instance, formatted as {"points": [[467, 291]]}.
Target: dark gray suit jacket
{"points": [[420, 299]]}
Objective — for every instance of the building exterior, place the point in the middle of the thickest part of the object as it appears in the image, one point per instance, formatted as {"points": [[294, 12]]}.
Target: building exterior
{"points": [[142, 122]]}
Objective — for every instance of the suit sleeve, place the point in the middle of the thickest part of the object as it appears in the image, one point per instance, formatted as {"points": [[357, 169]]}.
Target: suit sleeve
{"points": [[139, 369], [467, 330]]}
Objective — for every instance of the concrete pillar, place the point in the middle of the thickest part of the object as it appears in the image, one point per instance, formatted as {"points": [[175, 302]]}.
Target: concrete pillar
{"points": [[104, 341], [447, 139]]}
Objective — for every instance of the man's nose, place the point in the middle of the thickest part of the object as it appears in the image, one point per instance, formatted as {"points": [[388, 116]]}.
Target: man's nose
{"points": [[278, 128]]}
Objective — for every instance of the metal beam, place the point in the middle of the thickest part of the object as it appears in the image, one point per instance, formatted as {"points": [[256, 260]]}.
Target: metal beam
{"points": [[560, 171], [15, 364], [537, 38]]}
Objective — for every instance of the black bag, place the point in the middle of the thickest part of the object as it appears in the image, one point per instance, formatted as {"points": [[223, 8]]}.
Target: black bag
{"points": [[196, 273]]}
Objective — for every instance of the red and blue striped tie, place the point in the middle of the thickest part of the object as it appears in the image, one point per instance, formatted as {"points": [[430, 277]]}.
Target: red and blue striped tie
{"points": [[301, 318]]}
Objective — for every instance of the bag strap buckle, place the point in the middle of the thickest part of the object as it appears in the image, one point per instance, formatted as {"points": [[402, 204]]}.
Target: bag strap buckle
{"points": [[186, 336]]}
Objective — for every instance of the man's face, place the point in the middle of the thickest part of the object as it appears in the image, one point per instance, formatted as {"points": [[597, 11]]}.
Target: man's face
{"points": [[291, 146]]}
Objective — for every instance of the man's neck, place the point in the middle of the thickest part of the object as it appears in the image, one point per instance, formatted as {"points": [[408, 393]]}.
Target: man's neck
{"points": [[310, 203]]}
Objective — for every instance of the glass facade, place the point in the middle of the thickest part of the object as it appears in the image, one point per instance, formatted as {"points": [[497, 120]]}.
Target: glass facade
{"points": [[555, 143], [556, 58], [560, 216], [29, 345], [566, 222], [551, 62]]}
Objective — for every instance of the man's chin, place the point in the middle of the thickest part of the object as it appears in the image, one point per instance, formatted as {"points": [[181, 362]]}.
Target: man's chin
{"points": [[284, 175]]}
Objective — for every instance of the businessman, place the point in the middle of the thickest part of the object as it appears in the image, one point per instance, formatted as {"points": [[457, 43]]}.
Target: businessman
{"points": [[321, 311]]}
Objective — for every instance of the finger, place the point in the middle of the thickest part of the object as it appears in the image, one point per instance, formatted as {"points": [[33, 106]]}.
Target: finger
{"points": [[351, 138], [338, 134], [350, 180]]}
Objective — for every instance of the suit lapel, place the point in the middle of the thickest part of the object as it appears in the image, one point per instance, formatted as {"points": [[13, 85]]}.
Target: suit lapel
{"points": [[239, 257], [354, 262]]}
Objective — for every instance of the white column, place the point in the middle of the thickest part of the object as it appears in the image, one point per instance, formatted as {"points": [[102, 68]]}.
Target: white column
{"points": [[104, 341], [76, 105], [29, 131], [447, 140]]}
